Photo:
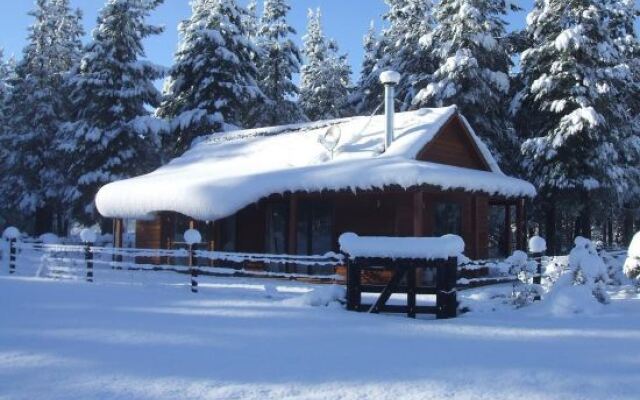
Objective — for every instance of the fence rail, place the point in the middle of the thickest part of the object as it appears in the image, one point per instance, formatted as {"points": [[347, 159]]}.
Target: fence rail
{"points": [[84, 260]]}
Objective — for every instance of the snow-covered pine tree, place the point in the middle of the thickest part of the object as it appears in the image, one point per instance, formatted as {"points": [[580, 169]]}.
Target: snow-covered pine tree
{"points": [[213, 79], [572, 106], [409, 21], [38, 107], [250, 19], [325, 77], [368, 94], [624, 16], [113, 134], [7, 70], [279, 60], [473, 68]]}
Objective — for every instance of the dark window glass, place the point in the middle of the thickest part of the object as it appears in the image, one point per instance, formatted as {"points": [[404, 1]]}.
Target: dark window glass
{"points": [[228, 234], [277, 216], [448, 219], [314, 229]]}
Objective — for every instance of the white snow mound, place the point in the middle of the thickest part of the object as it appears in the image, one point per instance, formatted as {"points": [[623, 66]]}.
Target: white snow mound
{"points": [[401, 247]]}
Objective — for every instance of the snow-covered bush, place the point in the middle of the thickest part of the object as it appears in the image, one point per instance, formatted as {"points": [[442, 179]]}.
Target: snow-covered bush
{"points": [[524, 291], [632, 264], [586, 267]]}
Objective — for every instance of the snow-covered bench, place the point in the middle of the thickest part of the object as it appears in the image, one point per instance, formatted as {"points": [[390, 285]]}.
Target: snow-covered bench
{"points": [[405, 257]]}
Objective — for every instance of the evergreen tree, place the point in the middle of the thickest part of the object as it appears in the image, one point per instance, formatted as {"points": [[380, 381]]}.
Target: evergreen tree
{"points": [[473, 68], [214, 76], [7, 71], [279, 60], [38, 107], [112, 136], [409, 22], [250, 19], [368, 95], [325, 77], [572, 107]]}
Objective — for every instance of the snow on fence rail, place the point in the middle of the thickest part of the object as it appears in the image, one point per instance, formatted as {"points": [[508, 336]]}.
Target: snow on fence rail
{"points": [[73, 261]]}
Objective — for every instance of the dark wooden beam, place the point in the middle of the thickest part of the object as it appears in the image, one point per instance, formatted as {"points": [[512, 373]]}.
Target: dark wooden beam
{"points": [[507, 230], [521, 226], [418, 214]]}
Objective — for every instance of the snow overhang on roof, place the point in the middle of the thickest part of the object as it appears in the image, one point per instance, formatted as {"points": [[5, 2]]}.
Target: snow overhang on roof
{"points": [[224, 173]]}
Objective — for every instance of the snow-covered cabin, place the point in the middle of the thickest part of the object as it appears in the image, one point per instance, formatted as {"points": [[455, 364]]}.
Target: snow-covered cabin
{"points": [[292, 189]]}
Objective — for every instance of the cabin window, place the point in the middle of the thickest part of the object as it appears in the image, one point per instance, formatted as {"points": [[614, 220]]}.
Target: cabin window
{"points": [[315, 228], [180, 226], [228, 234], [447, 219], [277, 216], [501, 231]]}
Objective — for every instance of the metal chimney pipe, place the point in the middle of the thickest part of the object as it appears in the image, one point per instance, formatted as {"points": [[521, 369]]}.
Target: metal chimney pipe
{"points": [[389, 79]]}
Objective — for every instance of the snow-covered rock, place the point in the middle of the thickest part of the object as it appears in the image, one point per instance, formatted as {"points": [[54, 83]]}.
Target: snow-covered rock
{"points": [[401, 247]]}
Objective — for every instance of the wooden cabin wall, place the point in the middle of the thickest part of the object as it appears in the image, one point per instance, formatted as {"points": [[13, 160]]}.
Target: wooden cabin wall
{"points": [[453, 145], [251, 229], [154, 234]]}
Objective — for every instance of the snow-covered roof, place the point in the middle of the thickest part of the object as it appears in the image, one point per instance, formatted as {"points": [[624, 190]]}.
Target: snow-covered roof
{"points": [[224, 173]]}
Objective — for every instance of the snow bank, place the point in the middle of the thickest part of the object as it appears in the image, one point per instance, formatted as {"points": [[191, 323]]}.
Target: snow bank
{"points": [[632, 264], [227, 172], [571, 300], [401, 247], [321, 296]]}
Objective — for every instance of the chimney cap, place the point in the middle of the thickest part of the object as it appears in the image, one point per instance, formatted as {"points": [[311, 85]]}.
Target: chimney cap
{"points": [[390, 78]]}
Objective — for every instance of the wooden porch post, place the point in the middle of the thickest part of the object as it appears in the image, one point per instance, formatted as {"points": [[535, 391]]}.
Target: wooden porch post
{"points": [[118, 233], [292, 242], [418, 214], [521, 221], [507, 230]]}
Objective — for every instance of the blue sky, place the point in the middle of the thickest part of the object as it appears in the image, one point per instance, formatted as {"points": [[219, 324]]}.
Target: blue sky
{"points": [[344, 20]]}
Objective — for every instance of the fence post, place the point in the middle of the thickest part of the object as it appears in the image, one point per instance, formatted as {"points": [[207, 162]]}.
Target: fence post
{"points": [[192, 237], [446, 294], [192, 268], [88, 256], [353, 286], [12, 256], [537, 248]]}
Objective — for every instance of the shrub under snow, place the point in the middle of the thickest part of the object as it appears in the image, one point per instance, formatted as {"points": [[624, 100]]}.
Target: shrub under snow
{"points": [[632, 265], [587, 269]]}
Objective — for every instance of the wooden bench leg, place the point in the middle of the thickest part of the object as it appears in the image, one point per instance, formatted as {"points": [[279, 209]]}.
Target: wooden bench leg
{"points": [[388, 291]]}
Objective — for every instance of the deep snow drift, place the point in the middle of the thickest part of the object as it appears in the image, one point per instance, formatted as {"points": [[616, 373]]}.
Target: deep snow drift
{"points": [[255, 339]]}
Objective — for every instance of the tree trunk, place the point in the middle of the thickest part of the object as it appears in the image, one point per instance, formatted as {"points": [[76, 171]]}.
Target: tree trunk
{"points": [[43, 220], [627, 226], [106, 225], [585, 222], [550, 229]]}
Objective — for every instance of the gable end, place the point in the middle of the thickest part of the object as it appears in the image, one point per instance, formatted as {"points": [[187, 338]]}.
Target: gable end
{"points": [[454, 145]]}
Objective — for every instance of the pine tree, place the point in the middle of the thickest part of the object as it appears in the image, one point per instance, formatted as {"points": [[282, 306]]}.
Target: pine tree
{"points": [[572, 107], [368, 95], [473, 68], [250, 19], [279, 60], [113, 136], [214, 76], [325, 79], [7, 71], [38, 106], [409, 21]]}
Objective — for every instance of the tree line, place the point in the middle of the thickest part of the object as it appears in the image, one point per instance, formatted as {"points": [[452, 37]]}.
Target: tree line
{"points": [[557, 102]]}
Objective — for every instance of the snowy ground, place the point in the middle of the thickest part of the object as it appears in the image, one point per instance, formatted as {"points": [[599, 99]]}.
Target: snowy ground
{"points": [[234, 340]]}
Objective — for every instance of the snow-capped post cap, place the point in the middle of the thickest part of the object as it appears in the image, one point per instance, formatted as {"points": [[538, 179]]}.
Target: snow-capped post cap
{"points": [[537, 244], [11, 233], [192, 236], [49, 238], [390, 78], [88, 235]]}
